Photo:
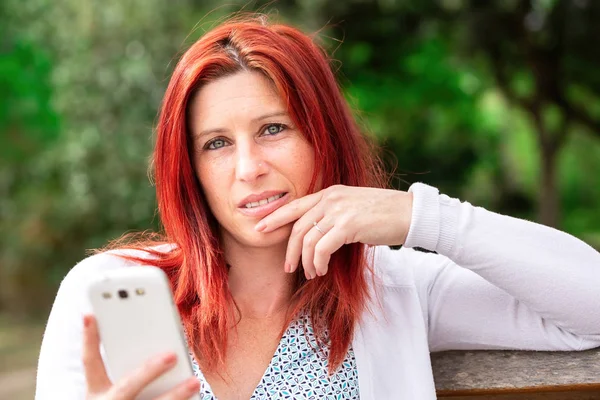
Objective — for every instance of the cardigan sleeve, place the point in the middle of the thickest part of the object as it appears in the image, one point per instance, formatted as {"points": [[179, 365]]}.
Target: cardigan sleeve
{"points": [[60, 373], [499, 282]]}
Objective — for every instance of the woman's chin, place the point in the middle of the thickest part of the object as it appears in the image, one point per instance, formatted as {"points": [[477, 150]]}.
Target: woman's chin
{"points": [[246, 236], [277, 237]]}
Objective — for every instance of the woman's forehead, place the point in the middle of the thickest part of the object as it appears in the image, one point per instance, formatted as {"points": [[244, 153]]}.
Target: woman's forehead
{"points": [[245, 95]]}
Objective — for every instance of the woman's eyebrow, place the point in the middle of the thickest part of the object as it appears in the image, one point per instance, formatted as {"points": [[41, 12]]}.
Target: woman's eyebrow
{"points": [[270, 115], [257, 119], [209, 131]]}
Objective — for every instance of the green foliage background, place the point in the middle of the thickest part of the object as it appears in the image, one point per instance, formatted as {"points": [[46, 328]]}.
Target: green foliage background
{"points": [[81, 83]]}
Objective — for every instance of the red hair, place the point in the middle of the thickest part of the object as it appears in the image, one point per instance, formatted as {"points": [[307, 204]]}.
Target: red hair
{"points": [[196, 265]]}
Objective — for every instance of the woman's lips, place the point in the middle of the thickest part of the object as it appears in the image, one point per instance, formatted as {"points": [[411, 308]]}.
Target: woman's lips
{"points": [[265, 209]]}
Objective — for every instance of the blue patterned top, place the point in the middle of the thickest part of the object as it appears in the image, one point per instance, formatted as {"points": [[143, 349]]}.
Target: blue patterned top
{"points": [[299, 371]]}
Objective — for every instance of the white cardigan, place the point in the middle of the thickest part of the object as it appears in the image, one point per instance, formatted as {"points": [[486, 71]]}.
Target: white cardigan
{"points": [[496, 283]]}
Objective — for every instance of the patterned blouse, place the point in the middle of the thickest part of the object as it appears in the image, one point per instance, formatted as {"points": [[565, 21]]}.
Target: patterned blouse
{"points": [[299, 371]]}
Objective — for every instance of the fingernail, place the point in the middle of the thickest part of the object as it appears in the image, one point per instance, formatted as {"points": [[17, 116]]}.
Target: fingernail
{"points": [[287, 267], [260, 226], [169, 359], [87, 320], [193, 385]]}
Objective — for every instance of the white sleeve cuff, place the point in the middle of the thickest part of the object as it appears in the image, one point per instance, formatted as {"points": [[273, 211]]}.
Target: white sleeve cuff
{"points": [[434, 218]]}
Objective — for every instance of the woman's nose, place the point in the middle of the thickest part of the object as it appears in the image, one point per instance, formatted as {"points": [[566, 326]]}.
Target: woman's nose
{"points": [[250, 164]]}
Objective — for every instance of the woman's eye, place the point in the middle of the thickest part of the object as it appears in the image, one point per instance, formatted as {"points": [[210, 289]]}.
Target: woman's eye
{"points": [[274, 129], [215, 144]]}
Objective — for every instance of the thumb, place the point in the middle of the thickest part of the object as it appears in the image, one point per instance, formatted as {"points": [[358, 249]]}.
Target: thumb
{"points": [[95, 372]]}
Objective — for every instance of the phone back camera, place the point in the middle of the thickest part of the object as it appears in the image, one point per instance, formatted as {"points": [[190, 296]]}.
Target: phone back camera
{"points": [[123, 294]]}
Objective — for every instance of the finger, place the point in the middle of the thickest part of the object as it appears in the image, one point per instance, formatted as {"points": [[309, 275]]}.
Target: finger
{"points": [[183, 391], [288, 213], [299, 231], [95, 372], [325, 247], [309, 242], [132, 384]]}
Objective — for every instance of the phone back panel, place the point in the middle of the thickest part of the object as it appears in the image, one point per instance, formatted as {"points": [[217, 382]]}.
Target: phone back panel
{"points": [[140, 325]]}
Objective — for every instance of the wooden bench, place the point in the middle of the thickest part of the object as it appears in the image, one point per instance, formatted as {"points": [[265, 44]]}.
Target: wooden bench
{"points": [[517, 375]]}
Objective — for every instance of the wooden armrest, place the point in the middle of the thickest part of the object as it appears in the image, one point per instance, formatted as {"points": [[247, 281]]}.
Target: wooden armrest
{"points": [[469, 373]]}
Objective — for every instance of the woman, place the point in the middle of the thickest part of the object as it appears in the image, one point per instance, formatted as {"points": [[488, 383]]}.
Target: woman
{"points": [[278, 224]]}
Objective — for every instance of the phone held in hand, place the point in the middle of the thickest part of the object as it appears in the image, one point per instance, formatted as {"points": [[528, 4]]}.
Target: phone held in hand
{"points": [[137, 319]]}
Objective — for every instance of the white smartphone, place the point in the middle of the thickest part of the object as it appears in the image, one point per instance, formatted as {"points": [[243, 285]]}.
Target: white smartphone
{"points": [[137, 319]]}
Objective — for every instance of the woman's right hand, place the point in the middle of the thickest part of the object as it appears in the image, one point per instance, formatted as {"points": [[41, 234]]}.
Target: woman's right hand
{"points": [[99, 386]]}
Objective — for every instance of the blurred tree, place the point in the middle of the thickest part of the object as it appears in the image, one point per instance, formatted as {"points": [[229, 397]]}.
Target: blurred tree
{"points": [[110, 63], [28, 125], [543, 58]]}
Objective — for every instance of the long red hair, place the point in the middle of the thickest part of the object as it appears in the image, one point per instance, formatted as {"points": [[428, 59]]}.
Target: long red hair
{"points": [[194, 262]]}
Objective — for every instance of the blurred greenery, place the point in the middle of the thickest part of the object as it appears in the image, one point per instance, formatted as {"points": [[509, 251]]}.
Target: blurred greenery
{"points": [[495, 102]]}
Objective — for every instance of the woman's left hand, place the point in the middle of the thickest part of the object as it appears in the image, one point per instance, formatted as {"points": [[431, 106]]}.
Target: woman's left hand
{"points": [[343, 215]]}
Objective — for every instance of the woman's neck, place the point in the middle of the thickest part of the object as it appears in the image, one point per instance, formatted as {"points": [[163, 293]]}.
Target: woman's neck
{"points": [[257, 281]]}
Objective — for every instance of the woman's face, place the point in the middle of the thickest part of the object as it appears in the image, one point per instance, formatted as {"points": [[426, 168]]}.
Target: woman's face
{"points": [[249, 157]]}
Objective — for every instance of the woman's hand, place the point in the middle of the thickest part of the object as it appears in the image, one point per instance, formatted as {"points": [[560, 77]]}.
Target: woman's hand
{"points": [[343, 214], [99, 387]]}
